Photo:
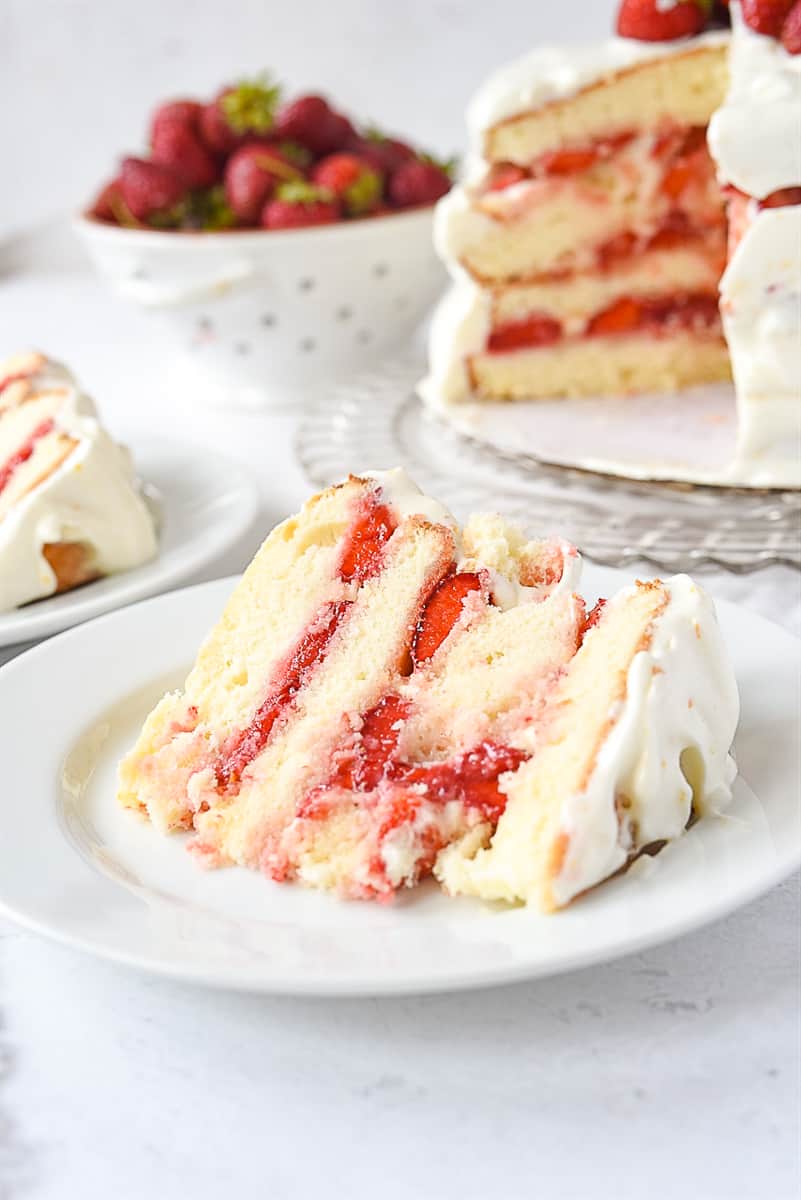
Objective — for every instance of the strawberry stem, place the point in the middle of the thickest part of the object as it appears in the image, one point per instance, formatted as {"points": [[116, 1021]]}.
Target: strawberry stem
{"points": [[250, 106]]}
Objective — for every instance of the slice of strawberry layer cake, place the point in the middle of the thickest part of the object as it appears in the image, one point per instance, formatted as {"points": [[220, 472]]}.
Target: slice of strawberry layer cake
{"points": [[387, 695]]}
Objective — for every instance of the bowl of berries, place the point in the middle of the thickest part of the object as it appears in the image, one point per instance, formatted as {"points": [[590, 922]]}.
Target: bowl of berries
{"points": [[283, 243]]}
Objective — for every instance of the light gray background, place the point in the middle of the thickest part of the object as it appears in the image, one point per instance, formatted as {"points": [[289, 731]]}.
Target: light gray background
{"points": [[78, 77]]}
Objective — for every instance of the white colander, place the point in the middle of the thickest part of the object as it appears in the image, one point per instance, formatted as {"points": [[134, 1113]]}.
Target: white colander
{"points": [[262, 315]]}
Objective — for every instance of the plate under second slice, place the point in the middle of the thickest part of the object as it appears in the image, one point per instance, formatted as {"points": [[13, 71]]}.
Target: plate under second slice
{"points": [[203, 503], [76, 867]]}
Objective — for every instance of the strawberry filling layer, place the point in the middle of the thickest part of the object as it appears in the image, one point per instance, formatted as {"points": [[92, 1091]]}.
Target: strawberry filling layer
{"points": [[305, 658], [372, 763], [660, 316], [569, 160], [682, 150], [16, 377], [470, 778], [25, 451], [362, 556]]}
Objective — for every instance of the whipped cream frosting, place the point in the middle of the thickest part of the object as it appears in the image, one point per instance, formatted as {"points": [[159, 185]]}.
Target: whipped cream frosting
{"points": [[755, 136], [671, 739], [554, 73], [668, 752], [93, 497], [760, 295], [403, 495], [755, 139]]}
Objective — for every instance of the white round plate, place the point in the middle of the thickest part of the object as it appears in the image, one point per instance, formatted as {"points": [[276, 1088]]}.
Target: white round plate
{"points": [[204, 502], [75, 866]]}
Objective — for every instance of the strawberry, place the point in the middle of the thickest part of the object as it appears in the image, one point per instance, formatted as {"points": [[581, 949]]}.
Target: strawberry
{"points": [[310, 121], [252, 174], [416, 182], [149, 188], [651, 21], [791, 30], [504, 175], [537, 330], [243, 108], [356, 185], [178, 145], [340, 131], [443, 609], [215, 130], [184, 113], [299, 204], [103, 207], [766, 16], [620, 317], [783, 198], [382, 153]]}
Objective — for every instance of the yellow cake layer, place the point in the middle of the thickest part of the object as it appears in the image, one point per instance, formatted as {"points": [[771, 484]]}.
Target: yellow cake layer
{"points": [[683, 88], [689, 268], [529, 845], [600, 366], [505, 686]]}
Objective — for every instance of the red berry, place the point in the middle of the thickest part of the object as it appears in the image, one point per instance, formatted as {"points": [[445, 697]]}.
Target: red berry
{"points": [[299, 204], [247, 107], [443, 609], [215, 130], [147, 188], [504, 175], [417, 182], [650, 21], [310, 121], [353, 182], [382, 153], [251, 176], [782, 198], [104, 203], [766, 16], [183, 113], [178, 146], [340, 131], [791, 30]]}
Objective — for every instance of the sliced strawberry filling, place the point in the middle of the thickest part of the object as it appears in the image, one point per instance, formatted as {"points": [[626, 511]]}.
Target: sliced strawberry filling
{"points": [[658, 315], [398, 788], [25, 451], [15, 377], [363, 550], [568, 160], [362, 556], [305, 658], [443, 609]]}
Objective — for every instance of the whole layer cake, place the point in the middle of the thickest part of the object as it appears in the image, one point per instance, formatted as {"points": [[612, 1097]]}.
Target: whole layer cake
{"points": [[71, 508], [588, 240], [387, 695]]}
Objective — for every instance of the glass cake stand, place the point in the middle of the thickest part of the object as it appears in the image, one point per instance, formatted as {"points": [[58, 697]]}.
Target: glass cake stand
{"points": [[377, 421]]}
